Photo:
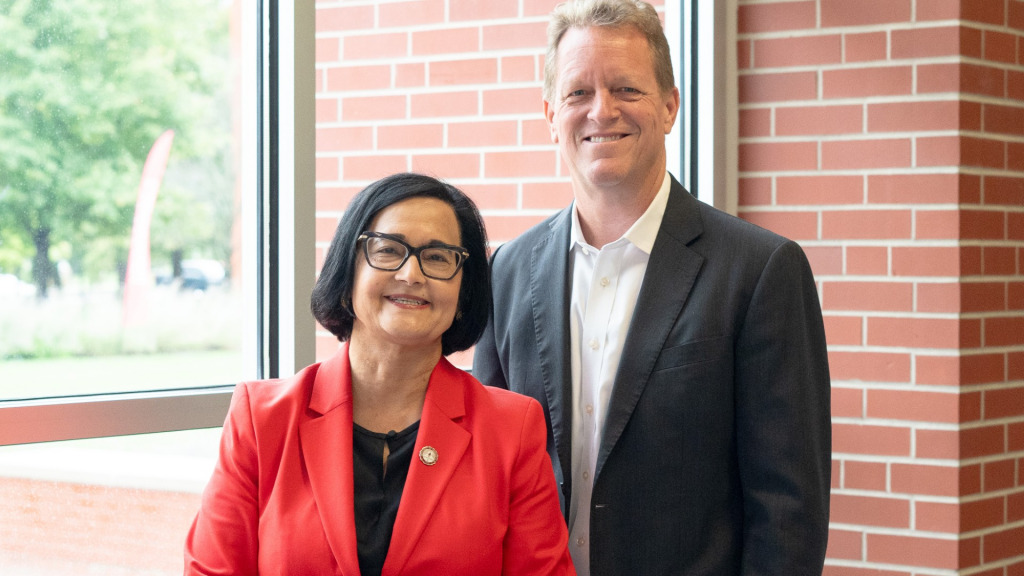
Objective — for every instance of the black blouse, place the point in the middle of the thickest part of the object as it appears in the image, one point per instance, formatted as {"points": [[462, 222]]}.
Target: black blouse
{"points": [[378, 490]]}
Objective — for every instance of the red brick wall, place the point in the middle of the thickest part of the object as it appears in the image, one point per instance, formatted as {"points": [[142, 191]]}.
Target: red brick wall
{"points": [[886, 136]]}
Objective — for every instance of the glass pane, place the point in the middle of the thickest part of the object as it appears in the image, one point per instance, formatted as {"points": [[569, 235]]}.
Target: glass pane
{"points": [[120, 265], [111, 506]]}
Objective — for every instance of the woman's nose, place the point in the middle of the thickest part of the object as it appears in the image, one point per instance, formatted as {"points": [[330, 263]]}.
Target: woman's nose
{"points": [[410, 271]]}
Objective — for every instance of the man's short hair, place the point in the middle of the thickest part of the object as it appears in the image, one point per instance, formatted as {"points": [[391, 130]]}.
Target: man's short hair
{"points": [[613, 14]]}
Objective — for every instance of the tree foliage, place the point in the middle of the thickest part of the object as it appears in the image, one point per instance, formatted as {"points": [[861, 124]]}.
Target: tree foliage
{"points": [[87, 87]]}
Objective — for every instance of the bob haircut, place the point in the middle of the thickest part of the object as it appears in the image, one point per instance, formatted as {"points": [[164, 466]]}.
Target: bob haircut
{"points": [[334, 285], [614, 14]]}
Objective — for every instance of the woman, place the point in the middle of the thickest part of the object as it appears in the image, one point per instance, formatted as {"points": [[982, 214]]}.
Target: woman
{"points": [[385, 459]]}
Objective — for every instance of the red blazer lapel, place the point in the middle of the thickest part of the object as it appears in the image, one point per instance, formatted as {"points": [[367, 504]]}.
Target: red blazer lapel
{"points": [[444, 404], [326, 443]]}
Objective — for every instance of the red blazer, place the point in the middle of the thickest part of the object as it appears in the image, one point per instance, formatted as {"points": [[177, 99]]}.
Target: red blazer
{"points": [[280, 499]]}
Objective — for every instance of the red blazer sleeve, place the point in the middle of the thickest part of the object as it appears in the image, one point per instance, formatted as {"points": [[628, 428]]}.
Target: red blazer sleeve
{"points": [[537, 540], [224, 535]]}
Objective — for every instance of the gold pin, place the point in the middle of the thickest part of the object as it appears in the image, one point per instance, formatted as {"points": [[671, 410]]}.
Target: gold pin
{"points": [[428, 455]]}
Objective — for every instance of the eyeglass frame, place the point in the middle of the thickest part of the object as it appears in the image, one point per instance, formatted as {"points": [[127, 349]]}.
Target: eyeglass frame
{"points": [[411, 251]]}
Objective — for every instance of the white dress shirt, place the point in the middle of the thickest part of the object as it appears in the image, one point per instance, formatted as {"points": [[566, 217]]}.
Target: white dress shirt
{"points": [[605, 285]]}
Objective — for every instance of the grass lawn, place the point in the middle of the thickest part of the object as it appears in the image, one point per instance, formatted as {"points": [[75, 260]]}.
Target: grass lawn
{"points": [[91, 375]]}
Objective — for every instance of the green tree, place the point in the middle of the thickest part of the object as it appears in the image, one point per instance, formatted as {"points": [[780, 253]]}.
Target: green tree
{"points": [[86, 86]]}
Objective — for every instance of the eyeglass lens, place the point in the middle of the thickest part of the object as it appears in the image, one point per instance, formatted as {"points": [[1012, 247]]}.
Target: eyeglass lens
{"points": [[435, 262]]}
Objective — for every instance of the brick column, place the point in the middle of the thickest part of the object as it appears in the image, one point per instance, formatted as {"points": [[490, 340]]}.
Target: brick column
{"points": [[887, 136]]}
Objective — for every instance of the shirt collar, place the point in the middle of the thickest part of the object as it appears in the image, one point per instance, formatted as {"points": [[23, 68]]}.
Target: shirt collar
{"points": [[642, 233]]}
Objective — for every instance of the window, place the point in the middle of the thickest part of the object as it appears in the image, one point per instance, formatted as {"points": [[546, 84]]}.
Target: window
{"points": [[118, 198], [275, 271], [75, 455]]}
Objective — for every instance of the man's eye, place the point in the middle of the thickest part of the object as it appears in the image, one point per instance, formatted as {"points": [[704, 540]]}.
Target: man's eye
{"points": [[577, 93]]}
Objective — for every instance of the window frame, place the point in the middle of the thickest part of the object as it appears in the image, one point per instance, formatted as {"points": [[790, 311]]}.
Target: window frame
{"points": [[278, 241], [703, 148]]}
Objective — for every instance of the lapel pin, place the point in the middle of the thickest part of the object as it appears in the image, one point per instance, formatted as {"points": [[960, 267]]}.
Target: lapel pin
{"points": [[428, 455]]}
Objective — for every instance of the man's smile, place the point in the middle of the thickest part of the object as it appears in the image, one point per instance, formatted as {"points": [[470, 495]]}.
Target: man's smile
{"points": [[600, 139]]}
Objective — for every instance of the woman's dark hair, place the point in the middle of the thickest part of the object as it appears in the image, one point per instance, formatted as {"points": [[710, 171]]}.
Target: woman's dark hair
{"points": [[336, 278]]}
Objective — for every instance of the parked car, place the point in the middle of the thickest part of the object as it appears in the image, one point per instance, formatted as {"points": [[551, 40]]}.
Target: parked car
{"points": [[201, 274]]}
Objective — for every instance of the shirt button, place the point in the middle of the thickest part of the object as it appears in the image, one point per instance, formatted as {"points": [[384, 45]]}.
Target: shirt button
{"points": [[604, 282], [590, 409], [586, 475], [593, 344], [580, 541]]}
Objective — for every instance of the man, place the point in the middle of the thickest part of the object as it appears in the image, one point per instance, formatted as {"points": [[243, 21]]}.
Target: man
{"points": [[678, 351]]}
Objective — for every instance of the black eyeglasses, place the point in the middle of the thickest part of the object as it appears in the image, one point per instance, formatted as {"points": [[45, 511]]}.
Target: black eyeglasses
{"points": [[387, 252]]}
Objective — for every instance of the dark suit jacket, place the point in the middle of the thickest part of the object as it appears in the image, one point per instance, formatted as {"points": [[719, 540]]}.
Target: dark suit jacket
{"points": [[280, 500], [716, 454]]}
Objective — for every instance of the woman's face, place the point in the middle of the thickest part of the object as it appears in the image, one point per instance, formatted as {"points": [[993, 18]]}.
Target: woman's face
{"points": [[403, 307]]}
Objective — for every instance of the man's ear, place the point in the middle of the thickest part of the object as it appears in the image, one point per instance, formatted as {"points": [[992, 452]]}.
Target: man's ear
{"points": [[672, 106], [549, 114]]}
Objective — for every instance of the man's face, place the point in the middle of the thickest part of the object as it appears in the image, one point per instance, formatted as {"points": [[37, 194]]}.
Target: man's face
{"points": [[609, 117]]}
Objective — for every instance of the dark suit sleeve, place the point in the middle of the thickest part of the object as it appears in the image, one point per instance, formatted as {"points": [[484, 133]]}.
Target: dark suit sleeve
{"points": [[486, 364], [224, 539], [784, 420]]}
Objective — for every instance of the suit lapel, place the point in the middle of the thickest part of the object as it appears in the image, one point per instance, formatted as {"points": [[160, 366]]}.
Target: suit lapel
{"points": [[549, 297], [444, 404], [670, 275], [326, 443]]}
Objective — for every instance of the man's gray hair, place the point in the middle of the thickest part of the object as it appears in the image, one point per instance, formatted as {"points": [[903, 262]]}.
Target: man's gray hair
{"points": [[614, 14]]}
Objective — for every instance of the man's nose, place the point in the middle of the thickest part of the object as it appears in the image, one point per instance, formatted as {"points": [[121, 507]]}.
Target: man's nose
{"points": [[603, 106]]}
